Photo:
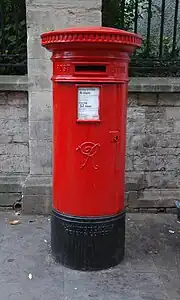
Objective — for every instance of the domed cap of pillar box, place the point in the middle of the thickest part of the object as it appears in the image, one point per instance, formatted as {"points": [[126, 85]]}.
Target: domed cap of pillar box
{"points": [[96, 37]]}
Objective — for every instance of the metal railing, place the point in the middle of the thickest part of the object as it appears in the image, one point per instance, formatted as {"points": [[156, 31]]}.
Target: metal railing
{"points": [[157, 22], [13, 37]]}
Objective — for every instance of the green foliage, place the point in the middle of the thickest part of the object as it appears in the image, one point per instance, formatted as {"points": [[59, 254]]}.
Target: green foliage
{"points": [[121, 14], [13, 48], [146, 60]]}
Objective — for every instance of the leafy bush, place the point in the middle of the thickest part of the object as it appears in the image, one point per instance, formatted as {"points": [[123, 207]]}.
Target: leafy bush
{"points": [[13, 39], [121, 14], [146, 61]]}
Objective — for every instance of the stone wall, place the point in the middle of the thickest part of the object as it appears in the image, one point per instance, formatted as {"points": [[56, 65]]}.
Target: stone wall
{"points": [[14, 145], [153, 150], [153, 129], [153, 145], [43, 16]]}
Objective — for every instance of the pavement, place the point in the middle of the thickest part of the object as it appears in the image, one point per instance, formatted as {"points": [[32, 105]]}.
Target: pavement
{"points": [[150, 271]]}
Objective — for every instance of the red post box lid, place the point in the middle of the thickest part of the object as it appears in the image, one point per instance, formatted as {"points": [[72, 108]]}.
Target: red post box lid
{"points": [[109, 37]]}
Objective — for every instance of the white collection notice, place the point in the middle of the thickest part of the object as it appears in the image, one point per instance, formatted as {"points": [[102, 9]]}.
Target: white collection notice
{"points": [[88, 103]]}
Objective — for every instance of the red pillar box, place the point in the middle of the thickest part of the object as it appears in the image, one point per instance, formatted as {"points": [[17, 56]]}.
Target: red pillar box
{"points": [[90, 91]]}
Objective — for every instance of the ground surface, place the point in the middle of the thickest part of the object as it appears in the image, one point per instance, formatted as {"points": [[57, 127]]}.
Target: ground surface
{"points": [[150, 271]]}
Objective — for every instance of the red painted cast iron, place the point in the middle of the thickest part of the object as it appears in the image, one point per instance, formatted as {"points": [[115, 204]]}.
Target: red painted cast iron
{"points": [[90, 91]]}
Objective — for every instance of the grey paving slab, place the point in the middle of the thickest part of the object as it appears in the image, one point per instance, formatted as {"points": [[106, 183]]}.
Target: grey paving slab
{"points": [[150, 271]]}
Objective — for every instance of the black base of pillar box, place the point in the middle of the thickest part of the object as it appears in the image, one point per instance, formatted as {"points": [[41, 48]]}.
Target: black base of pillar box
{"points": [[88, 243], [178, 214]]}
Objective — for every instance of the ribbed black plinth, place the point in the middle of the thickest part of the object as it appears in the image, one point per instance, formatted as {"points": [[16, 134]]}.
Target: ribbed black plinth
{"points": [[88, 243], [178, 214]]}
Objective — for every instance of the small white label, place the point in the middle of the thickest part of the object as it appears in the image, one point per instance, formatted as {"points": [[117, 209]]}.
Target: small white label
{"points": [[88, 103]]}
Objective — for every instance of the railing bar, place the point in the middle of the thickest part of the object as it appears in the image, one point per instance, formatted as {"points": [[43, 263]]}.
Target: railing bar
{"points": [[122, 14], [9, 55], [175, 27], [149, 27], [162, 29], [152, 67], [13, 65], [136, 16], [16, 13], [2, 26]]}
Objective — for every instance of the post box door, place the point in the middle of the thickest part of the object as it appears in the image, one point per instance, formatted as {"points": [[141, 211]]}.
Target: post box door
{"points": [[89, 149]]}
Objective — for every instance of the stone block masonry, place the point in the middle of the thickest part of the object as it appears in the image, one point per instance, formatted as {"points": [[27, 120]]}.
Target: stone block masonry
{"points": [[14, 137], [153, 128], [153, 150], [152, 159], [14, 146], [44, 16]]}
